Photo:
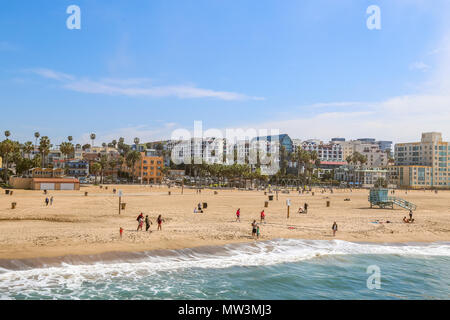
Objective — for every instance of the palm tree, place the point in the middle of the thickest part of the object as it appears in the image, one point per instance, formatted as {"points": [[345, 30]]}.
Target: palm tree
{"points": [[95, 168], [132, 158], [103, 164], [114, 143], [70, 138], [136, 142], [67, 148], [7, 134], [7, 149], [93, 136], [36, 136], [28, 148], [44, 148]]}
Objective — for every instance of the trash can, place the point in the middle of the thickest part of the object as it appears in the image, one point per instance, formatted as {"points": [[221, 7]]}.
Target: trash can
{"points": [[114, 190], [6, 191], [11, 192], [170, 193], [265, 193], [270, 197], [205, 205], [215, 192], [13, 205], [85, 194], [266, 204], [328, 203], [123, 205], [312, 193]]}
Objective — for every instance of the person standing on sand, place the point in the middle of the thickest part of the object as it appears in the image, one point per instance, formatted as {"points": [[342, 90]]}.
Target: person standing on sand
{"points": [[257, 231], [51, 200], [263, 217], [410, 215], [254, 227], [334, 228], [159, 221], [305, 208], [140, 220], [147, 223], [238, 215], [46, 201]]}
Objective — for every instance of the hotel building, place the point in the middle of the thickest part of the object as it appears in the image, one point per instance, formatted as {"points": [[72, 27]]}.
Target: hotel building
{"points": [[422, 164]]}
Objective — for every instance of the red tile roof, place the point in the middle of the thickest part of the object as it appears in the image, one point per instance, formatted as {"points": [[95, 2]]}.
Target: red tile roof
{"points": [[56, 180]]}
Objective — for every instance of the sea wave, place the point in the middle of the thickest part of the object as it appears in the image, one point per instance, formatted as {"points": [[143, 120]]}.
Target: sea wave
{"points": [[249, 254]]}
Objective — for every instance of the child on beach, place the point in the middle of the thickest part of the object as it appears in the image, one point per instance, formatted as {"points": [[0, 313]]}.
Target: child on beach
{"points": [[238, 215], [121, 232], [263, 217], [257, 231]]}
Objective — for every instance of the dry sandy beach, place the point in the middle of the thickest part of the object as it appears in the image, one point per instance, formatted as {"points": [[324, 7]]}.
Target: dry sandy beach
{"points": [[80, 225]]}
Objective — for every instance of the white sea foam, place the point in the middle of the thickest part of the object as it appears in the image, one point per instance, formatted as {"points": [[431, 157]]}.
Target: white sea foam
{"points": [[255, 254]]}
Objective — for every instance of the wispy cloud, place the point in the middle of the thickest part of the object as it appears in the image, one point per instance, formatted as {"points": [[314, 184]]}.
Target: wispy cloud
{"points": [[419, 65], [137, 87]]}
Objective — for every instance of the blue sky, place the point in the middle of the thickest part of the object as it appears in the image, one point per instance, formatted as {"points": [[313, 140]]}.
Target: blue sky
{"points": [[311, 69]]}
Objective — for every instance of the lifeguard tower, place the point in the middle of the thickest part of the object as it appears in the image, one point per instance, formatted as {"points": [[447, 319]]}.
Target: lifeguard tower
{"points": [[379, 197]]}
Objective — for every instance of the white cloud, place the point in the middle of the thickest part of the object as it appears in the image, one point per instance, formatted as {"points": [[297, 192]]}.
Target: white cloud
{"points": [[143, 132], [137, 87], [399, 118], [419, 65]]}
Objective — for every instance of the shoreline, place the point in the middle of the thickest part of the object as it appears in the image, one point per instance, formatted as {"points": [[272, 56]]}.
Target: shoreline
{"points": [[128, 256], [78, 225]]}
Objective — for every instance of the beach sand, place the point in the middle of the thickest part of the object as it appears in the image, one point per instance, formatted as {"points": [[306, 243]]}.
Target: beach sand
{"points": [[80, 225]]}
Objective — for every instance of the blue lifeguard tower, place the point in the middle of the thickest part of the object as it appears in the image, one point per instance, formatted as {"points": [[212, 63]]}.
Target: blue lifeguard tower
{"points": [[379, 197]]}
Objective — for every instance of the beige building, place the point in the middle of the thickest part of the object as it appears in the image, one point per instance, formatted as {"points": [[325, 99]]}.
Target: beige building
{"points": [[422, 164], [376, 158]]}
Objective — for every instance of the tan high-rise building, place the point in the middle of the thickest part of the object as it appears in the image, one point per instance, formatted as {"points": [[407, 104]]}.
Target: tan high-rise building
{"points": [[422, 164]]}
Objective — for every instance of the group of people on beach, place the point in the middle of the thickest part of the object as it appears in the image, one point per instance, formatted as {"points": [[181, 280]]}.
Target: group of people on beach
{"points": [[140, 219], [304, 209], [410, 220], [49, 201]]}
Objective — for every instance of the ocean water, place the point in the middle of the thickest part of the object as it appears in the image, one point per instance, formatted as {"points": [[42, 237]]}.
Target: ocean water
{"points": [[278, 269]]}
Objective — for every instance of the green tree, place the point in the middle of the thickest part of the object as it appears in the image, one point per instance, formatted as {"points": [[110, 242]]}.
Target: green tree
{"points": [[132, 158], [44, 149]]}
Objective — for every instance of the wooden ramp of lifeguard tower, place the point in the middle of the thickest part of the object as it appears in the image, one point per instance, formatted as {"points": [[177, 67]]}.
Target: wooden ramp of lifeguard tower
{"points": [[379, 197]]}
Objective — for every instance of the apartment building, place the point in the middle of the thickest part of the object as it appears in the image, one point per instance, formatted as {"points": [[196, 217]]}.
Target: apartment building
{"points": [[149, 169], [422, 164]]}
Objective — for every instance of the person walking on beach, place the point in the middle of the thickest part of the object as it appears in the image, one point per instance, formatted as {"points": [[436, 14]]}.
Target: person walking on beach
{"points": [[238, 215], [254, 227], [334, 228], [147, 223], [51, 200], [159, 221], [46, 201], [263, 217], [305, 208], [140, 220], [410, 215]]}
